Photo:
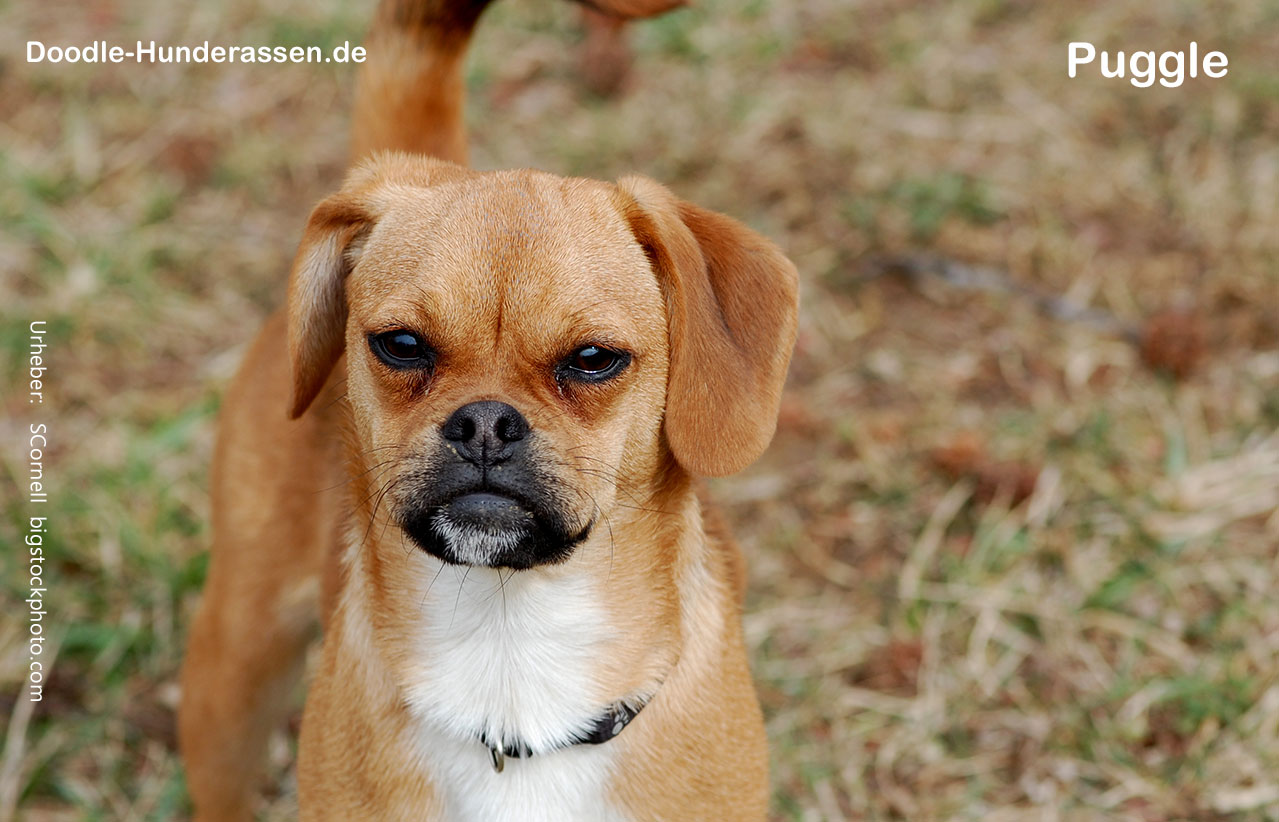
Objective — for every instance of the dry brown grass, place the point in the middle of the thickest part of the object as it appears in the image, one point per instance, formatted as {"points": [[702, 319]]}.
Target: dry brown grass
{"points": [[1008, 563]]}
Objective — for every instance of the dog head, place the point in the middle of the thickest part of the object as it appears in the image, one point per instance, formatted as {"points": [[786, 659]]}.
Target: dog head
{"points": [[526, 352]]}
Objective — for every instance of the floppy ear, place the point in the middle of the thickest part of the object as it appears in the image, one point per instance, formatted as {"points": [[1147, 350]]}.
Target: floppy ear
{"points": [[317, 293], [329, 250], [732, 303]]}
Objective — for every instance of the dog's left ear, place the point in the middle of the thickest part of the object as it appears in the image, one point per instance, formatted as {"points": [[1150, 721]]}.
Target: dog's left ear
{"points": [[732, 303]]}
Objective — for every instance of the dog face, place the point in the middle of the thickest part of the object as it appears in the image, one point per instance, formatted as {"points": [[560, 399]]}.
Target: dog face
{"points": [[522, 348], [506, 347]]}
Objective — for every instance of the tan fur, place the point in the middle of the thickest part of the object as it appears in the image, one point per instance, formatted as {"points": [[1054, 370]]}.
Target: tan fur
{"points": [[411, 90], [633, 8], [411, 87], [504, 272]]}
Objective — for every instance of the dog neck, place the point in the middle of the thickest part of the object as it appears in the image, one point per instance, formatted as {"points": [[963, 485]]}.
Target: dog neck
{"points": [[521, 659], [528, 660], [605, 728], [531, 658]]}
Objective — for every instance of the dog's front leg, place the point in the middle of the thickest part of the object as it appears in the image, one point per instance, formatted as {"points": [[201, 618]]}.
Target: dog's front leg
{"points": [[276, 491], [236, 683]]}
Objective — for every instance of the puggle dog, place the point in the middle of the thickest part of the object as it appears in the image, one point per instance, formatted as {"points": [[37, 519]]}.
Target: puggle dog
{"points": [[470, 449]]}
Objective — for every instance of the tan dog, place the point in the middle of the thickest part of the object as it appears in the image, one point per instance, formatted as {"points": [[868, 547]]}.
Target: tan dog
{"points": [[502, 386]]}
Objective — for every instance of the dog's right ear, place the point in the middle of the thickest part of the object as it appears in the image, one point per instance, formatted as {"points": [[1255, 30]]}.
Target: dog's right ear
{"points": [[330, 249], [317, 292]]}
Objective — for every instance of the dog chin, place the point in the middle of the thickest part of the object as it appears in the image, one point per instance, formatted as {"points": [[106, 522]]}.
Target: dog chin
{"points": [[489, 531], [469, 544]]}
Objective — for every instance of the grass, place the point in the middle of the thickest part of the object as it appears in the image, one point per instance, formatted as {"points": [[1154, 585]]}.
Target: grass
{"points": [[1005, 564]]}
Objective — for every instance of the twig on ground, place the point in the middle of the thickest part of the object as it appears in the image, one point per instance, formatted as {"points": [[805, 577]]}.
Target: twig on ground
{"points": [[991, 280]]}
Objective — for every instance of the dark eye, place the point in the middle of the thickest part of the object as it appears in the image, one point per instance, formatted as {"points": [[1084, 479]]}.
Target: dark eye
{"points": [[401, 349], [593, 363]]}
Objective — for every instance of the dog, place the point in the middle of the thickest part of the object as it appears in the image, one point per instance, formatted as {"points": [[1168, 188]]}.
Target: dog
{"points": [[470, 449]]}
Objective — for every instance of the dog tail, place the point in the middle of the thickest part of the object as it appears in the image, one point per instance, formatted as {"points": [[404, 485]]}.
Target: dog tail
{"points": [[411, 92]]}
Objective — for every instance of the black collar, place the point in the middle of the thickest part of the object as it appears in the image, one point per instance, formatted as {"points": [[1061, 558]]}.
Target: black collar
{"points": [[608, 725]]}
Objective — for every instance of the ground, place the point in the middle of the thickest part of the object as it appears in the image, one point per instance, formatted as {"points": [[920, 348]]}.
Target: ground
{"points": [[1014, 549]]}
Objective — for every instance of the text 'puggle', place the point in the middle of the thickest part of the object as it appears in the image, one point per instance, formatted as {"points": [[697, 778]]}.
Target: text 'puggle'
{"points": [[1144, 67]]}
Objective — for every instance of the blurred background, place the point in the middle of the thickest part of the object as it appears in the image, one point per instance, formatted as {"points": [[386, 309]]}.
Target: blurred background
{"points": [[1015, 548]]}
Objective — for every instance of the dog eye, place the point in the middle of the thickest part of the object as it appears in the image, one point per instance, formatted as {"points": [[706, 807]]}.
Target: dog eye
{"points": [[401, 349], [594, 363]]}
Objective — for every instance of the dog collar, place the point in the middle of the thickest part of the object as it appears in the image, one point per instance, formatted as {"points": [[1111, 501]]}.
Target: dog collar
{"points": [[608, 725]]}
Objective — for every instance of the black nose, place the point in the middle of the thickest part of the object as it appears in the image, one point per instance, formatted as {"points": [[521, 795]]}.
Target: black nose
{"points": [[486, 432]]}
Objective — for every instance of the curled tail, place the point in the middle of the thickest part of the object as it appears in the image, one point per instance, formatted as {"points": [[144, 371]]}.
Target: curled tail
{"points": [[411, 93]]}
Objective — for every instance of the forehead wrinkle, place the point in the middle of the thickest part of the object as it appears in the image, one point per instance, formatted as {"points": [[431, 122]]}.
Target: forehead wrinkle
{"points": [[501, 233], [510, 251], [510, 213]]}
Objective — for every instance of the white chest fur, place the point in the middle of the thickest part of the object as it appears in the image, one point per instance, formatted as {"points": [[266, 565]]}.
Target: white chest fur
{"points": [[567, 785], [514, 657]]}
